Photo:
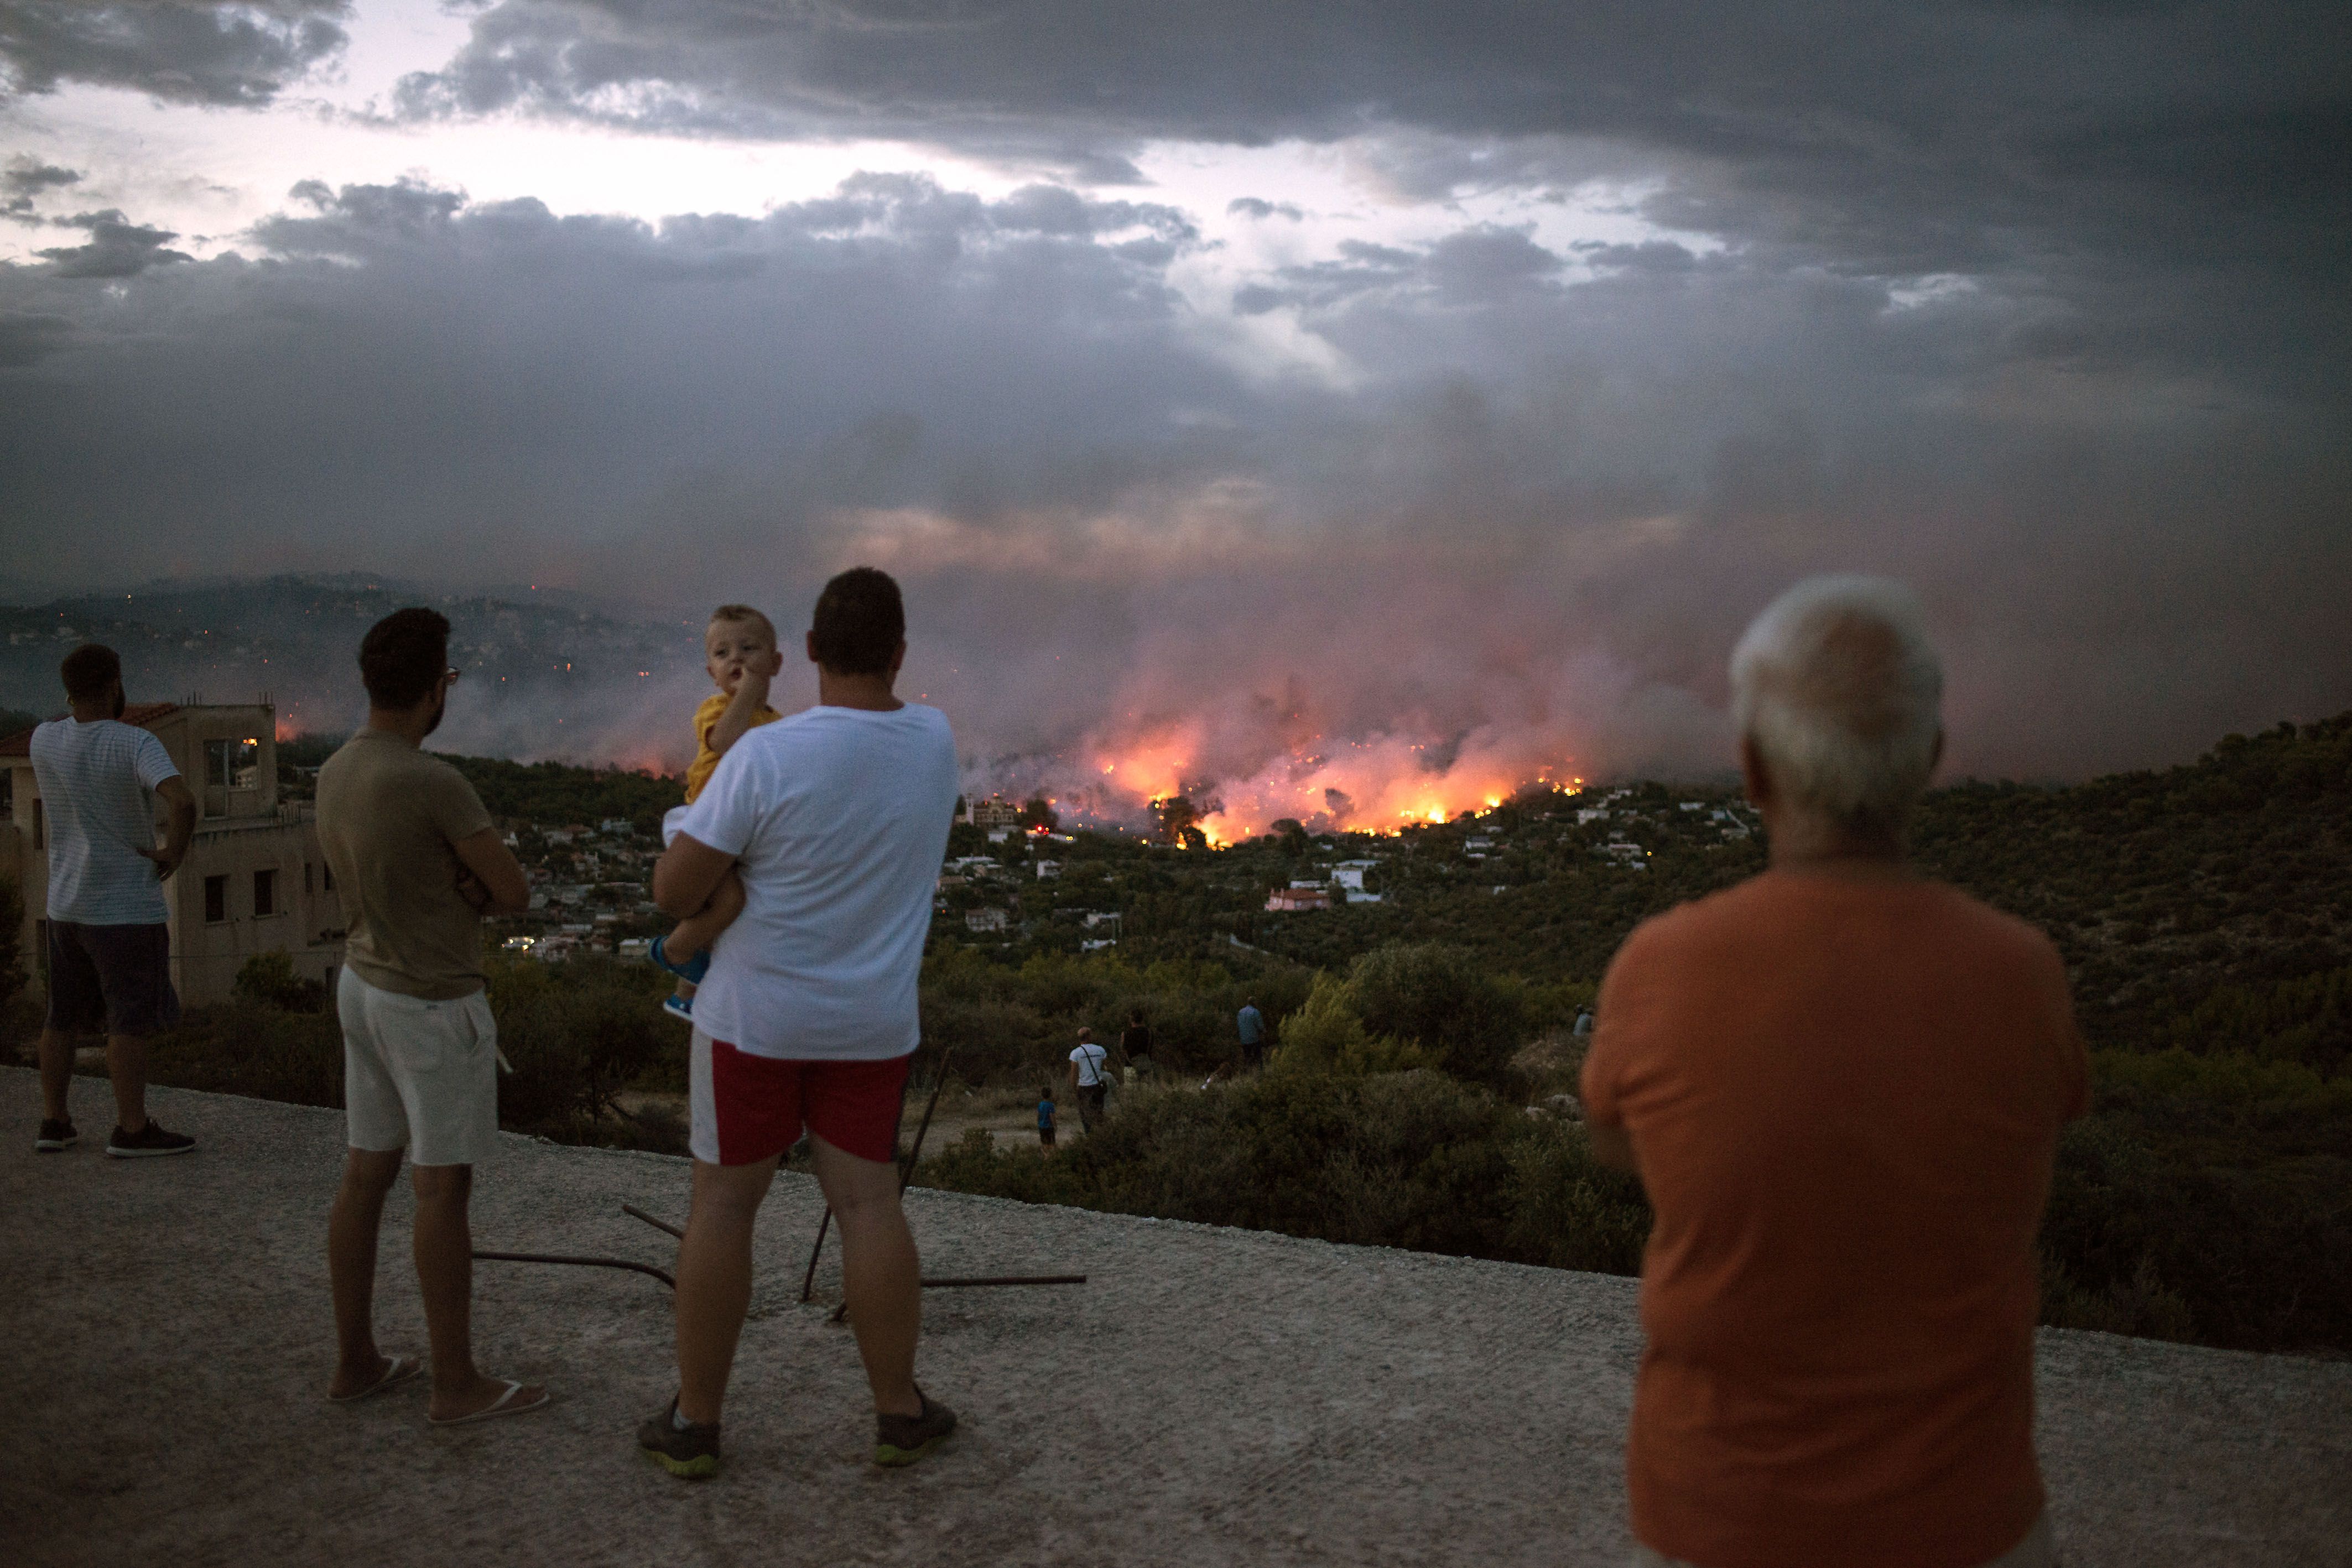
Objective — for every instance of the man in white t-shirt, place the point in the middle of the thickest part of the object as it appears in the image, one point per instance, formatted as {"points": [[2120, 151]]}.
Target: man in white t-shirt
{"points": [[835, 819], [109, 947], [1088, 1078]]}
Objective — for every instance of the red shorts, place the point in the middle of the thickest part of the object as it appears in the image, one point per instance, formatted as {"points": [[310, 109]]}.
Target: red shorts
{"points": [[750, 1108]]}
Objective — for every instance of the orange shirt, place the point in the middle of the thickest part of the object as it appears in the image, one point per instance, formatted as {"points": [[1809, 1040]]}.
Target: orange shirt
{"points": [[705, 761], [1844, 1098]]}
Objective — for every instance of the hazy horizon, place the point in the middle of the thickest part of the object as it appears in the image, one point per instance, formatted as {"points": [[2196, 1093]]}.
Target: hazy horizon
{"points": [[1288, 397]]}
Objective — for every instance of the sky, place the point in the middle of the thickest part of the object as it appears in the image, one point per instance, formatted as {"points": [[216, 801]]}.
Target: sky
{"points": [[1337, 405]]}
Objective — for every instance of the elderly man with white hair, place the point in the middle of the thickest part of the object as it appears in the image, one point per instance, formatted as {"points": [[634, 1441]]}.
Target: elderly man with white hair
{"points": [[1842, 1085]]}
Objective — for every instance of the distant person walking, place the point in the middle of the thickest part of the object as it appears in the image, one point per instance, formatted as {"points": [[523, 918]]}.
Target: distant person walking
{"points": [[1089, 1078], [1842, 1085], [1044, 1117], [1135, 1044], [109, 948], [835, 819], [1250, 1024], [417, 863]]}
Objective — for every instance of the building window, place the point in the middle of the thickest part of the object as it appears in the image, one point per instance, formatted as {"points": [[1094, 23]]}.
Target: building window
{"points": [[265, 893], [8, 793], [306, 879], [233, 763], [40, 826], [216, 900], [327, 876]]}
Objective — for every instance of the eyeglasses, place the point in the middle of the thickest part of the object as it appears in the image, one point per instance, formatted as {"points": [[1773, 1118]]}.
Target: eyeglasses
{"points": [[452, 673]]}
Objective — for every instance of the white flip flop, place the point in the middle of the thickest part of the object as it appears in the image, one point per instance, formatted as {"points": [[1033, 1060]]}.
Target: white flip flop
{"points": [[402, 1369], [498, 1408]]}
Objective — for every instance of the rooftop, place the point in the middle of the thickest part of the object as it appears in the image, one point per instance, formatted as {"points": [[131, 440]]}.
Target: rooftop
{"points": [[21, 743], [1213, 1397]]}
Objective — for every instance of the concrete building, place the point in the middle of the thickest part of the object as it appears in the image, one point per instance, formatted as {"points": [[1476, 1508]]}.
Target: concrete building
{"points": [[255, 880], [993, 812]]}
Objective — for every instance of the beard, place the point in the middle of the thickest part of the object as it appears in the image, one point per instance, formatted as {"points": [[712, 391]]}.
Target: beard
{"points": [[120, 703], [440, 707]]}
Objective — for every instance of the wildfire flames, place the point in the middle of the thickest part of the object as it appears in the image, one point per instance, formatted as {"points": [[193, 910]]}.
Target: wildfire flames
{"points": [[1380, 784]]}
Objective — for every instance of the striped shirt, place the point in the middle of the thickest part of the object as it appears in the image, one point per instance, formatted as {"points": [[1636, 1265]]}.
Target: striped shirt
{"points": [[97, 786]]}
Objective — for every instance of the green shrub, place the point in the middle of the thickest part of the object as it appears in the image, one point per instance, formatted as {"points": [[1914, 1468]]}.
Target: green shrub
{"points": [[1410, 1159], [1326, 1036], [269, 980], [1437, 996], [246, 1048]]}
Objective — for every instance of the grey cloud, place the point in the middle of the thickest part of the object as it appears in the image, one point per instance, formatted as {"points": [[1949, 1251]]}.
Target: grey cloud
{"points": [[1258, 207], [25, 178], [1649, 256], [27, 336], [237, 53], [116, 248], [1543, 509]]}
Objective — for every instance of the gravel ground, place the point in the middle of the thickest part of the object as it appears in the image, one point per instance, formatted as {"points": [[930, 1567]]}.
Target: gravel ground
{"points": [[1213, 1397]]}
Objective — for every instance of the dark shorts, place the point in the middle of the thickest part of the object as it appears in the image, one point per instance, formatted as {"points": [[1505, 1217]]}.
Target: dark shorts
{"points": [[1094, 1093], [747, 1108], [111, 979]]}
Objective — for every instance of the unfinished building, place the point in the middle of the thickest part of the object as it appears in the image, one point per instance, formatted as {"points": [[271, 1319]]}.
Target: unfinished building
{"points": [[255, 880]]}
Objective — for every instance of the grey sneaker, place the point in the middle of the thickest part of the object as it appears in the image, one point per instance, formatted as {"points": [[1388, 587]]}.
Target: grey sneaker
{"points": [[148, 1142], [55, 1138], [691, 1451], [902, 1439]]}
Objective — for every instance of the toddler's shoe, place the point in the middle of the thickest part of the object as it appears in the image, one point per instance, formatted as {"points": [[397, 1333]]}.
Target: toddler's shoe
{"points": [[679, 1007], [691, 971]]}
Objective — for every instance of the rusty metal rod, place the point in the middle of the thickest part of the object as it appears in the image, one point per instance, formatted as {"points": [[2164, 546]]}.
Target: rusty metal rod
{"points": [[633, 1212], [583, 1262]]}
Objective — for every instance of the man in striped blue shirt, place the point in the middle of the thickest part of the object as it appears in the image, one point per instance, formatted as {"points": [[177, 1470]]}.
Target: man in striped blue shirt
{"points": [[109, 945]]}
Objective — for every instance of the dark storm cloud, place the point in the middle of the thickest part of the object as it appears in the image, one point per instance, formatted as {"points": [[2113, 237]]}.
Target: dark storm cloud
{"points": [[225, 52], [1526, 521], [25, 178], [116, 247]]}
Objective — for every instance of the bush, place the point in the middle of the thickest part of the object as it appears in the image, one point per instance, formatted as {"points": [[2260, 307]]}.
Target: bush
{"points": [[246, 1048], [269, 980], [12, 958], [1409, 1159], [1436, 997], [1326, 1036]]}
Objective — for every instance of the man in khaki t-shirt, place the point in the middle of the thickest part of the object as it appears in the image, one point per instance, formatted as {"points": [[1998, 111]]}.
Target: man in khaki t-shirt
{"points": [[417, 863], [390, 818]]}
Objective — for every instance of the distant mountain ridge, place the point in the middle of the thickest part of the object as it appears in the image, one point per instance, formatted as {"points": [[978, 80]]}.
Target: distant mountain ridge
{"points": [[545, 675]]}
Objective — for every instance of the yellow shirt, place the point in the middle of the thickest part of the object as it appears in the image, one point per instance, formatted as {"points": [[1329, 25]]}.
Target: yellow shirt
{"points": [[705, 761]]}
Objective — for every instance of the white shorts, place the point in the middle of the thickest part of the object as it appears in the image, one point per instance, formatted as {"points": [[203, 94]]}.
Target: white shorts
{"points": [[419, 1075]]}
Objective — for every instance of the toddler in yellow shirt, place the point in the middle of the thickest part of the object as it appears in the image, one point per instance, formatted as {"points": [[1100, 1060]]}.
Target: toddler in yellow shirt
{"points": [[739, 651]]}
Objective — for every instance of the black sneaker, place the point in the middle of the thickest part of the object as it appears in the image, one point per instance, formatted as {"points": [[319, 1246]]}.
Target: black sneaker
{"points": [[903, 1439], [55, 1138], [691, 1452], [147, 1143]]}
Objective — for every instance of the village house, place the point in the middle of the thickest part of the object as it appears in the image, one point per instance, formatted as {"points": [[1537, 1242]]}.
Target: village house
{"points": [[993, 812], [1295, 900], [255, 880]]}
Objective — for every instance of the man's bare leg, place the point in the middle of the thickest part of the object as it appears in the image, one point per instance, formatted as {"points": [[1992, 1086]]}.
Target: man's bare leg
{"points": [[714, 1280], [126, 1067], [351, 1228], [881, 1277], [445, 1271], [57, 1073]]}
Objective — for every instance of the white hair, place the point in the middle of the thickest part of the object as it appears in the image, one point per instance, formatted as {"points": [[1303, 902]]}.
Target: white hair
{"points": [[1840, 689]]}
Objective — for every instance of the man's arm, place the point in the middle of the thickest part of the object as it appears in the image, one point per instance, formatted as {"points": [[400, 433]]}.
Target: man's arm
{"points": [[492, 871], [751, 696], [686, 876], [178, 830]]}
